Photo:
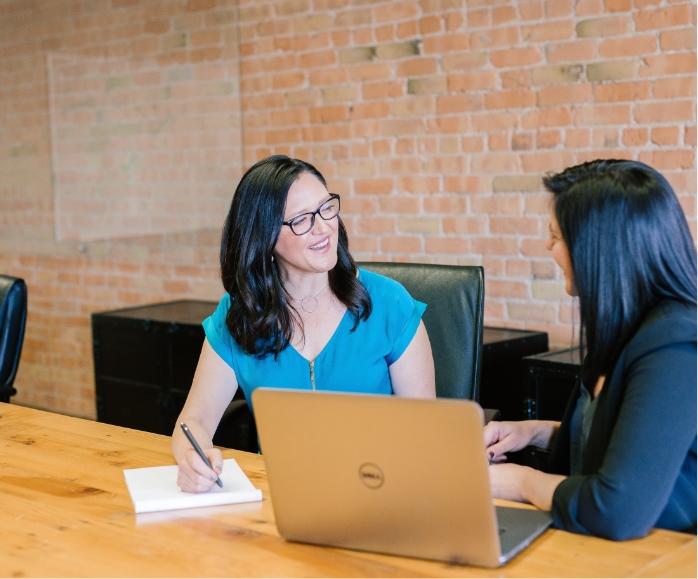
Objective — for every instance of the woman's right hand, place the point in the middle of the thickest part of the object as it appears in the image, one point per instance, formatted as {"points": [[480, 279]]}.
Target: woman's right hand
{"points": [[194, 476], [503, 437]]}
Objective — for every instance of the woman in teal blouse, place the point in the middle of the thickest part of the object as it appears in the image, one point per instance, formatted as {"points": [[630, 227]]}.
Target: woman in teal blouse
{"points": [[297, 312]]}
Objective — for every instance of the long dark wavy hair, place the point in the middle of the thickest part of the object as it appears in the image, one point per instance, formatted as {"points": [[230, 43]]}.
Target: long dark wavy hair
{"points": [[260, 317], [630, 247]]}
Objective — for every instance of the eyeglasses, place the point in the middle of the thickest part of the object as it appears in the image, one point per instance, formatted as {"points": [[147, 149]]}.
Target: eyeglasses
{"points": [[301, 224]]}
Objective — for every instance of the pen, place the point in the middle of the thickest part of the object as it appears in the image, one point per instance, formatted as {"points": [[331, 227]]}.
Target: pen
{"points": [[198, 450]]}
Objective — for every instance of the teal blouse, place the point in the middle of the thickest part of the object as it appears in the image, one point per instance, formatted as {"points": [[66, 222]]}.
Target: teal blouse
{"points": [[355, 361]]}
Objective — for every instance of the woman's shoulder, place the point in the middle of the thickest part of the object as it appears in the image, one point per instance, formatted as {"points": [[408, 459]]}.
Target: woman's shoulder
{"points": [[670, 322], [379, 286]]}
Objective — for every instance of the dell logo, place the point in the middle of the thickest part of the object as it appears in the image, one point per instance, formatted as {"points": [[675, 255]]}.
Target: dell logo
{"points": [[371, 475]]}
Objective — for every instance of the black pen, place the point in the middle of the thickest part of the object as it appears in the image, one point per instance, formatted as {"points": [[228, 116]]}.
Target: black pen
{"points": [[200, 452]]}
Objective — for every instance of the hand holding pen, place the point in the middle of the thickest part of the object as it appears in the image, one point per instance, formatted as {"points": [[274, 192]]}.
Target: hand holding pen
{"points": [[200, 452]]}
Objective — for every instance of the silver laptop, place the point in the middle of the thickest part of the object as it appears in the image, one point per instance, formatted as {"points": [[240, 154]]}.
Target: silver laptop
{"points": [[386, 474]]}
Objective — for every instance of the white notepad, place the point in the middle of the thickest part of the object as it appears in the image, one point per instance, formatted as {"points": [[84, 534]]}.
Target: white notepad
{"points": [[155, 489]]}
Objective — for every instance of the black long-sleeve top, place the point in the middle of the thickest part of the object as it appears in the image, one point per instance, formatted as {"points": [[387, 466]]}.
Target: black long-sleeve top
{"points": [[639, 464]]}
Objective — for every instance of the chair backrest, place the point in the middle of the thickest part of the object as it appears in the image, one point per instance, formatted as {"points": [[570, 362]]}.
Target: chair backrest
{"points": [[453, 319], [13, 317]]}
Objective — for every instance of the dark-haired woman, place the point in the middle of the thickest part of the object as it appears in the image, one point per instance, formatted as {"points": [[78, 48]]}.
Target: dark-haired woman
{"points": [[624, 456], [297, 312]]}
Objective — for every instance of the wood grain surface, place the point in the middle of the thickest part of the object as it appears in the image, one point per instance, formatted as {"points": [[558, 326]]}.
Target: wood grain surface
{"points": [[65, 512]]}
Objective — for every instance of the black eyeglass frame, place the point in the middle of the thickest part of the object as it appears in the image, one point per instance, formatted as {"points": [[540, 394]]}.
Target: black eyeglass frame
{"points": [[312, 214]]}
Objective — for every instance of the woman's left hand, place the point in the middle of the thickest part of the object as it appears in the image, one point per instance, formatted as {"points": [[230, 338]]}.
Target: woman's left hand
{"points": [[513, 482], [506, 481]]}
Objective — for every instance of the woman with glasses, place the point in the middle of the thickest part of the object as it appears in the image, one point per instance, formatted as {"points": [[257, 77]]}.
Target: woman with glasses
{"points": [[297, 312], [624, 457]]}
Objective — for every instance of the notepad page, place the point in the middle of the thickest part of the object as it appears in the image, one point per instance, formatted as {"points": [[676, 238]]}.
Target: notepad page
{"points": [[155, 489]]}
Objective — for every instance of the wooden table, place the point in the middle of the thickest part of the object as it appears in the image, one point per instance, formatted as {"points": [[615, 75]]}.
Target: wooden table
{"points": [[65, 511]]}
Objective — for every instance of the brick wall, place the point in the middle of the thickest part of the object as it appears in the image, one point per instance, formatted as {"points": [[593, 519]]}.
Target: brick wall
{"points": [[434, 119]]}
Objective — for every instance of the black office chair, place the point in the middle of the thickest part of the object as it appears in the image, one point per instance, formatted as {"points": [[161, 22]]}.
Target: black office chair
{"points": [[13, 317], [454, 296]]}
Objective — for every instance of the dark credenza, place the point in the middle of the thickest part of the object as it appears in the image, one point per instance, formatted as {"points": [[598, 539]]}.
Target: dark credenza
{"points": [[145, 358], [549, 380], [502, 379]]}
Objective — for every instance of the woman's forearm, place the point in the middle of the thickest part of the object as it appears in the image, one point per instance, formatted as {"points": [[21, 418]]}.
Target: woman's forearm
{"points": [[180, 443], [545, 435], [538, 488]]}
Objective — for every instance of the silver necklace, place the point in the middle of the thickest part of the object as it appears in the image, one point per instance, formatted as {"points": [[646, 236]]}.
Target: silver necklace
{"points": [[307, 301]]}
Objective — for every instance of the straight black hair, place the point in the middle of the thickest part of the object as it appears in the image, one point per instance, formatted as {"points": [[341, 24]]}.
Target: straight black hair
{"points": [[630, 247], [260, 317]]}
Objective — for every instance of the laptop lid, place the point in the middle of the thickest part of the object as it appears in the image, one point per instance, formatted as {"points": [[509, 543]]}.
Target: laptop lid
{"points": [[380, 473]]}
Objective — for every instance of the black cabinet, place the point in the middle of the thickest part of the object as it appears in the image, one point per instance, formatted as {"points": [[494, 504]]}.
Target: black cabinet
{"points": [[502, 378], [145, 358], [550, 378]]}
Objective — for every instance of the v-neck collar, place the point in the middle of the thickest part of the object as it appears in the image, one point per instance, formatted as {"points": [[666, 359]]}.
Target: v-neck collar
{"points": [[332, 337]]}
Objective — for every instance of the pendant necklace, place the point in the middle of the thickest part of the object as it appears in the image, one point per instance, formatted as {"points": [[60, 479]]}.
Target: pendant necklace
{"points": [[310, 303]]}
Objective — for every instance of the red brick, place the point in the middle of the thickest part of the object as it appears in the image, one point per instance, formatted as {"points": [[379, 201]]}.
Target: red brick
{"points": [[618, 5], [552, 31], [495, 246], [531, 10], [463, 225], [603, 115], [621, 91], [623, 47], [498, 142], [683, 39], [495, 121], [665, 112], [542, 162], [416, 67], [510, 99], [454, 20], [382, 90], [551, 117], [565, 94], [478, 18], [574, 51], [450, 104], [198, 5], [157, 26], [472, 81], [666, 17], [503, 14], [445, 204], [445, 43], [514, 225], [379, 186], [635, 137], [495, 37], [669, 64], [665, 136], [515, 57], [466, 184], [448, 245], [430, 24], [667, 160], [677, 87], [400, 244], [515, 78], [317, 59]]}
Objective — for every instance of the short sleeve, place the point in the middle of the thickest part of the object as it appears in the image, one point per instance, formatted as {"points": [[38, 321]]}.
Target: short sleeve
{"points": [[409, 329], [395, 314], [217, 332]]}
